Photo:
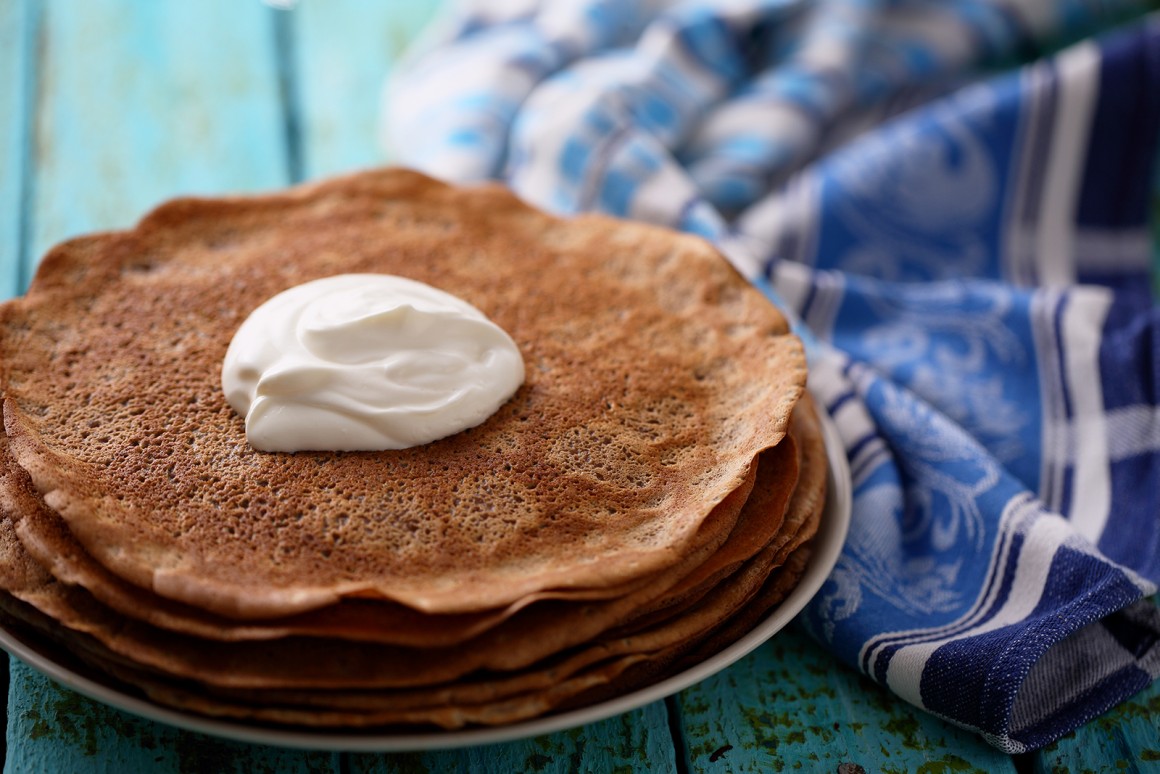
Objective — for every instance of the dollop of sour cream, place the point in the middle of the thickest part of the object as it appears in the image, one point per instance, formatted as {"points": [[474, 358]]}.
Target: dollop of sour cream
{"points": [[359, 362]]}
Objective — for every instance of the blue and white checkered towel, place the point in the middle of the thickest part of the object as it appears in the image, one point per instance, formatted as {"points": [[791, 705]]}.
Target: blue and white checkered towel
{"points": [[966, 244]]}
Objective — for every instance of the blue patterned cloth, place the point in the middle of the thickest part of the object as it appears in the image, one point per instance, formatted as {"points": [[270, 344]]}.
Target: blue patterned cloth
{"points": [[964, 241]]}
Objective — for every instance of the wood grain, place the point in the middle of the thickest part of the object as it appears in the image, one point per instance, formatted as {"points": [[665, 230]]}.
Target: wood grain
{"points": [[636, 741], [54, 729], [344, 51], [790, 706], [139, 102], [18, 28]]}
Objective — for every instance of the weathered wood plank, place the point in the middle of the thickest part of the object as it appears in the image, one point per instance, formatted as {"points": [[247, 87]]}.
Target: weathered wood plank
{"points": [[635, 741], [343, 51], [63, 731], [789, 706], [17, 49], [139, 102]]}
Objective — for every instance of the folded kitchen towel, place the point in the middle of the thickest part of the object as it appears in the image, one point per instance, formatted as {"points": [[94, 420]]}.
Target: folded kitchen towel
{"points": [[953, 200]]}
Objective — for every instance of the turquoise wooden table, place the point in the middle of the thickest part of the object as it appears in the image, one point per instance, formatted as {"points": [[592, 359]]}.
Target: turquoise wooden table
{"points": [[108, 107]]}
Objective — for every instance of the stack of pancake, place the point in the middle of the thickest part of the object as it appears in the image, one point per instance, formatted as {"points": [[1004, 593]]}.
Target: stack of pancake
{"points": [[644, 499]]}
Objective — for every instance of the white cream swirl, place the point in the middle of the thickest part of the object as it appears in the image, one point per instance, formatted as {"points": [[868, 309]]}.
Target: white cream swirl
{"points": [[366, 362]]}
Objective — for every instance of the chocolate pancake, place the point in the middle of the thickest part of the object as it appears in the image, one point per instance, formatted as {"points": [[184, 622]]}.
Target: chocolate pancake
{"points": [[655, 375]]}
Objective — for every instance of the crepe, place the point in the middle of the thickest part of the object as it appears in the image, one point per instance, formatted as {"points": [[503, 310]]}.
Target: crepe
{"points": [[651, 640], [647, 495], [630, 656], [489, 701], [603, 668], [526, 637], [47, 539], [653, 383]]}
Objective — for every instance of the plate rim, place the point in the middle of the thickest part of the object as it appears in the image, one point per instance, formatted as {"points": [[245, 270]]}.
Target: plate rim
{"points": [[828, 546]]}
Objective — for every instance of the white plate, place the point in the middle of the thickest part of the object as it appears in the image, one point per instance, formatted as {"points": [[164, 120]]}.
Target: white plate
{"points": [[827, 545]]}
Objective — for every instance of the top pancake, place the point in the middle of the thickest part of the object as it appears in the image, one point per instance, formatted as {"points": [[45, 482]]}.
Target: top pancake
{"points": [[655, 375]]}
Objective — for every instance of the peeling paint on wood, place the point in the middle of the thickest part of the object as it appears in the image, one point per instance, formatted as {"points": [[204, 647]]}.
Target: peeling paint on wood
{"points": [[1125, 739], [789, 706], [636, 741], [51, 728]]}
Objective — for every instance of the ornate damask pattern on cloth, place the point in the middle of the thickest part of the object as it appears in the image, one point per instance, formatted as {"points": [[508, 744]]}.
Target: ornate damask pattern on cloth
{"points": [[953, 200]]}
